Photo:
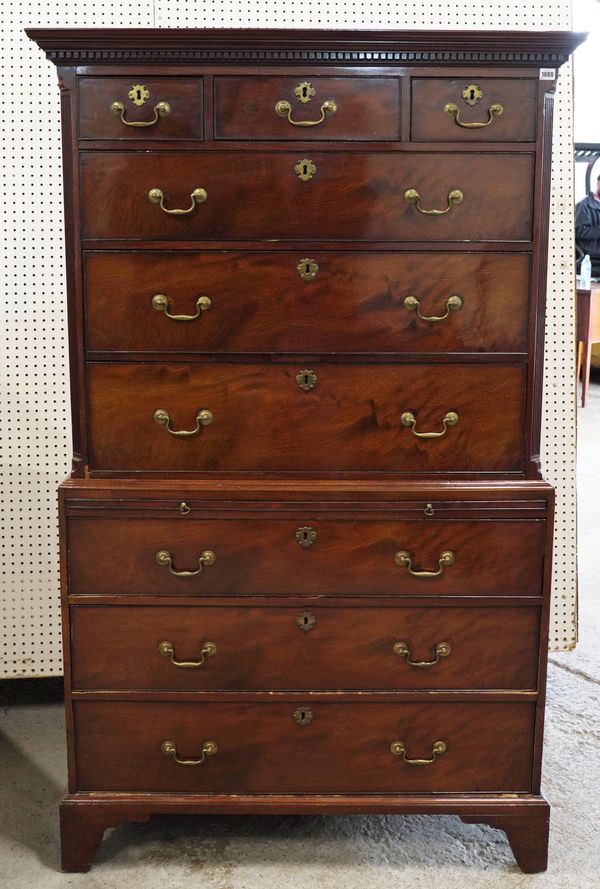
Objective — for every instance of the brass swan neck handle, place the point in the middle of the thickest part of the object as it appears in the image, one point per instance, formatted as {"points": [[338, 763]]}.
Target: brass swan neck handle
{"points": [[284, 109], [161, 109], [453, 110], [455, 197]]}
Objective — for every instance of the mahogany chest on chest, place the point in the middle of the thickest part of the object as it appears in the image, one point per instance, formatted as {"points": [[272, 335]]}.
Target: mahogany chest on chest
{"points": [[306, 546]]}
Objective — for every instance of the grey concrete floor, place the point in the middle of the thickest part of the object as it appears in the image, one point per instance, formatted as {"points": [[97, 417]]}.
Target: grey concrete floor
{"points": [[241, 852]]}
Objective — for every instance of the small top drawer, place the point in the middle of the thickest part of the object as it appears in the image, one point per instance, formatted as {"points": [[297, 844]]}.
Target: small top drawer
{"points": [[355, 108], [140, 108], [473, 109]]}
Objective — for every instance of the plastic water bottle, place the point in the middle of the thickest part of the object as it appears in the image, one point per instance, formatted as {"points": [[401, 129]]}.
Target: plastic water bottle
{"points": [[585, 274]]}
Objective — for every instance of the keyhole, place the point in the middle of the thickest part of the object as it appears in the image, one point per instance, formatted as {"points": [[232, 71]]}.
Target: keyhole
{"points": [[139, 95], [304, 92], [307, 269], [472, 95], [305, 169], [303, 715]]}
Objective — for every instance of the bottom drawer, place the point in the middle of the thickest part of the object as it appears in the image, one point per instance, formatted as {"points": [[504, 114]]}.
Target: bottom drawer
{"points": [[339, 748]]}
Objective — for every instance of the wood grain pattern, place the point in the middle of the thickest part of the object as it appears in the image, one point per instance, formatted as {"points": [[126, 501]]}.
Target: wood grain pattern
{"points": [[351, 197], [367, 108], [344, 749], [517, 123], [262, 557], [260, 304], [263, 421], [264, 648], [183, 94]]}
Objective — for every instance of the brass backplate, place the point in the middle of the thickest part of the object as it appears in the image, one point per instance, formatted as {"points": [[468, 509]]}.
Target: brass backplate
{"points": [[306, 536], [472, 94], [303, 715], [138, 94], [305, 91], [306, 621], [305, 169], [307, 269], [306, 379]]}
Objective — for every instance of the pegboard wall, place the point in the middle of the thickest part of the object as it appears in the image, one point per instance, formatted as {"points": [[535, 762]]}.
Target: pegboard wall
{"points": [[34, 398]]}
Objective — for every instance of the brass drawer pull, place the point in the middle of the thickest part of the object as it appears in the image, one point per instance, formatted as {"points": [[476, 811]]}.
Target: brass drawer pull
{"points": [[160, 302], [198, 196], [161, 109], [403, 560], [442, 649], [209, 748], [453, 111], [453, 304], [284, 109], [167, 649], [164, 558], [204, 417], [409, 419], [412, 196], [398, 748]]}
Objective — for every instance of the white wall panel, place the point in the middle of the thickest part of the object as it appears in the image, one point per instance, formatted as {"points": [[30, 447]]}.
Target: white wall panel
{"points": [[34, 405]]}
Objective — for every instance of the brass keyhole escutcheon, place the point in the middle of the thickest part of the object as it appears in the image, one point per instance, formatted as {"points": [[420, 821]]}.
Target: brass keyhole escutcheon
{"points": [[307, 269], [306, 621], [305, 169], [303, 715], [472, 94], [304, 91], [306, 379], [306, 536], [138, 94]]}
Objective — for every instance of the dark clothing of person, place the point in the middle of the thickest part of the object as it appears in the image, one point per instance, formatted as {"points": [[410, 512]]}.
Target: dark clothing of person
{"points": [[587, 230]]}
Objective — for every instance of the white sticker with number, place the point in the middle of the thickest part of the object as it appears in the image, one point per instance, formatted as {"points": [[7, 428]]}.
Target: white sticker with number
{"points": [[547, 73]]}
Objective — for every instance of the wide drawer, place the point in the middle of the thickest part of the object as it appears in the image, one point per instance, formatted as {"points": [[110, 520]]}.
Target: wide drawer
{"points": [[149, 108], [340, 748], [350, 196], [317, 647], [290, 418], [308, 109], [298, 303], [473, 109], [275, 555]]}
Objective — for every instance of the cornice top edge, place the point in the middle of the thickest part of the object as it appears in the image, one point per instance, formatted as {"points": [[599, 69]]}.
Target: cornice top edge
{"points": [[105, 45]]}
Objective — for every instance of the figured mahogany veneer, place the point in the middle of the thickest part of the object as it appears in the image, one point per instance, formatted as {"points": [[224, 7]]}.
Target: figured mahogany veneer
{"points": [[368, 109], [264, 422], [294, 503], [315, 647], [261, 305], [259, 555], [352, 196], [184, 95], [430, 123], [345, 748]]}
